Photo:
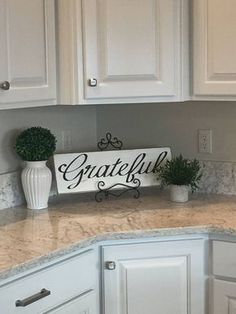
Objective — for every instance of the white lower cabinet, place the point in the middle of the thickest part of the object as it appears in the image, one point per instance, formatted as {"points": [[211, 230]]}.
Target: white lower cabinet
{"points": [[223, 287], [224, 257], [163, 277], [68, 286], [85, 304], [224, 297]]}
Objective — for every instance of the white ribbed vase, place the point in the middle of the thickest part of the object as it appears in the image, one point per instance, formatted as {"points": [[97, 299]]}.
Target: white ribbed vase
{"points": [[179, 193], [36, 180]]}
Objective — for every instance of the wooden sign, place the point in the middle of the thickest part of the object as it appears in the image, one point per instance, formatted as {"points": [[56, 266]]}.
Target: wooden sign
{"points": [[83, 172]]}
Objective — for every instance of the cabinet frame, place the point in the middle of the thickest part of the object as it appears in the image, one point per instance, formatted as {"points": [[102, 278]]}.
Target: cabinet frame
{"points": [[189, 250], [71, 89], [33, 93], [206, 85]]}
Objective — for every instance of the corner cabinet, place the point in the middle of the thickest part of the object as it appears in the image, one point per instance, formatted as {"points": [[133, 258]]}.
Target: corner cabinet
{"points": [[121, 51], [223, 285], [224, 297], [27, 53], [165, 277], [214, 49]]}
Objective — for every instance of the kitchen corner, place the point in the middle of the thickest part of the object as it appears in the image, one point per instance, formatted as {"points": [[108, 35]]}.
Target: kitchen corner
{"points": [[78, 237], [29, 238], [152, 85]]}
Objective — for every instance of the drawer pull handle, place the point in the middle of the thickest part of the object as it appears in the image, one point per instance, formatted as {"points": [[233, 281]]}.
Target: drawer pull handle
{"points": [[42, 294]]}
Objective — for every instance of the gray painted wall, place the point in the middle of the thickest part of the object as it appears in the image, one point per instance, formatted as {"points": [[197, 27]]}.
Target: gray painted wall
{"points": [[173, 124], [80, 120], [143, 125]]}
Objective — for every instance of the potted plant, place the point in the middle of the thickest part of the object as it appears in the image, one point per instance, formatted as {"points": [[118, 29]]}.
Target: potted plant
{"points": [[35, 145], [180, 174]]}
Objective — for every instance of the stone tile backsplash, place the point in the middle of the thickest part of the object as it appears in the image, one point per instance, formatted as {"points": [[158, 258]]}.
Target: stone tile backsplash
{"points": [[11, 193], [218, 178]]}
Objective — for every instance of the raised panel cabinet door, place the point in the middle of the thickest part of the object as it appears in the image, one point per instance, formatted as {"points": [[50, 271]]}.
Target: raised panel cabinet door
{"points": [[214, 47], [27, 51], [224, 297], [131, 48], [85, 304], [154, 278]]}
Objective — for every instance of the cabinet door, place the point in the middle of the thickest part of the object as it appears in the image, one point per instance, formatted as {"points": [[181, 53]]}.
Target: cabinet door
{"points": [[131, 48], [82, 305], [27, 52], [154, 278], [214, 47], [224, 297]]}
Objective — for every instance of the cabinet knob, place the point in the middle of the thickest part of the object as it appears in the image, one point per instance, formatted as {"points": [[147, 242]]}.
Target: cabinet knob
{"points": [[92, 82], [110, 265], [5, 85]]}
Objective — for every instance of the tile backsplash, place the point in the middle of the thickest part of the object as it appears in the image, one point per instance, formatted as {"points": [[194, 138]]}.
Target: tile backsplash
{"points": [[11, 193], [218, 178]]}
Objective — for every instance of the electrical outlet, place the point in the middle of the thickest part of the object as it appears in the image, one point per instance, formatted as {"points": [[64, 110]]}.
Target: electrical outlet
{"points": [[66, 140], [205, 141]]}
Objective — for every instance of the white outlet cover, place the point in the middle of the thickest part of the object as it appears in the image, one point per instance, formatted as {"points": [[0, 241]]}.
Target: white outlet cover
{"points": [[205, 141]]}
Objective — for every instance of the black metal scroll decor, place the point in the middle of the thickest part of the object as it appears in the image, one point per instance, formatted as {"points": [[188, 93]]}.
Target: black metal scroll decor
{"points": [[109, 141], [105, 192], [121, 188]]}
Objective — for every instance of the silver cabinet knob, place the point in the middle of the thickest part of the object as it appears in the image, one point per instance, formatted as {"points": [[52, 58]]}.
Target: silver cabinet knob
{"points": [[92, 82], [110, 265], [5, 85]]}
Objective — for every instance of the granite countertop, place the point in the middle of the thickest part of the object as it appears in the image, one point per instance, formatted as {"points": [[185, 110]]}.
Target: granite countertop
{"points": [[29, 238]]}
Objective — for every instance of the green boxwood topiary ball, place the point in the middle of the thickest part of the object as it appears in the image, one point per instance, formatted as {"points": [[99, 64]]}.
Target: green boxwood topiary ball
{"points": [[35, 144], [180, 171]]}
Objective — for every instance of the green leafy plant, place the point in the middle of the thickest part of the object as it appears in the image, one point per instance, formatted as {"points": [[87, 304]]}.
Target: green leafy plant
{"points": [[35, 144], [180, 171]]}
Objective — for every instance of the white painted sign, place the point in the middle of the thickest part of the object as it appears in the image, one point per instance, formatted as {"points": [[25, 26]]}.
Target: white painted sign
{"points": [[82, 172]]}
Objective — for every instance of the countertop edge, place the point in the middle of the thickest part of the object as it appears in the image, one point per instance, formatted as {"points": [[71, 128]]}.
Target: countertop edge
{"points": [[6, 274]]}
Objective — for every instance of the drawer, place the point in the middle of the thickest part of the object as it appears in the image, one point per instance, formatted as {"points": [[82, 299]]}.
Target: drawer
{"points": [[223, 297], [65, 280], [85, 304], [224, 259]]}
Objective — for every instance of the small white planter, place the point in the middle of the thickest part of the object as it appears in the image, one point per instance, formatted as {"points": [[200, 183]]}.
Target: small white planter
{"points": [[36, 181], [179, 193]]}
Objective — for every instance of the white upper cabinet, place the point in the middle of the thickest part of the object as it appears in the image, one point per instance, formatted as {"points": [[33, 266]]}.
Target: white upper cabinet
{"points": [[130, 48], [27, 53], [214, 48], [123, 51], [116, 51]]}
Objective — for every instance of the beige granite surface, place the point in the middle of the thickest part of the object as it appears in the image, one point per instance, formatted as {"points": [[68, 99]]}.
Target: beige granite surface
{"points": [[30, 238]]}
